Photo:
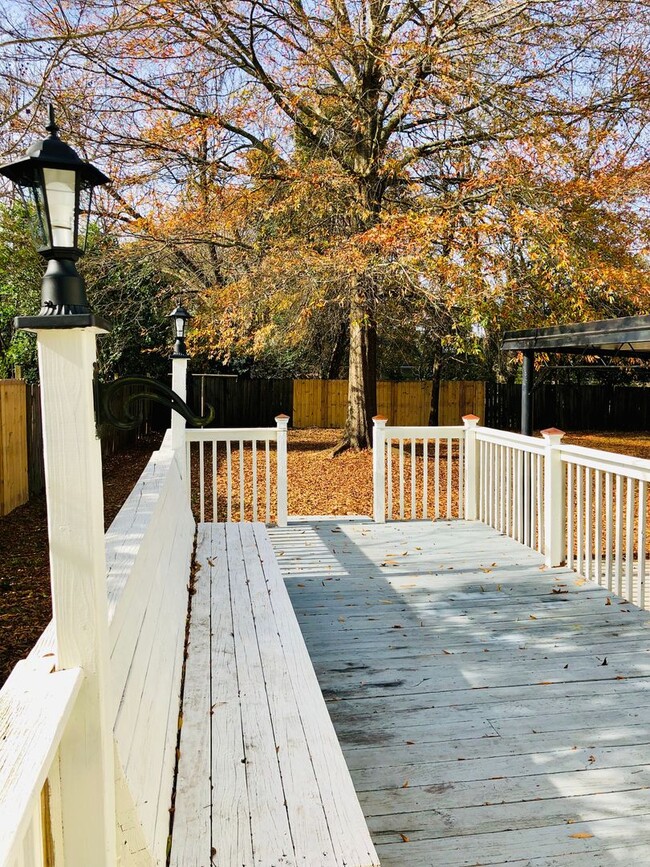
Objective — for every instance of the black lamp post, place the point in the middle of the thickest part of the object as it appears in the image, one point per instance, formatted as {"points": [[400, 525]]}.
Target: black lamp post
{"points": [[180, 318], [57, 187]]}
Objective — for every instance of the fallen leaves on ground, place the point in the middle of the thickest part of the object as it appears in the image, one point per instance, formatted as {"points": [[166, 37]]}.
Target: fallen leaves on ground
{"points": [[25, 599]]}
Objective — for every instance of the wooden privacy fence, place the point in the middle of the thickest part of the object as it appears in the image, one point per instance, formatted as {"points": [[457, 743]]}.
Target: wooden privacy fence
{"points": [[22, 473], [323, 402], [14, 479]]}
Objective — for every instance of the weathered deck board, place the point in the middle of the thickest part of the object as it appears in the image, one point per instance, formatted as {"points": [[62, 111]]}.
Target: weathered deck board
{"points": [[262, 781], [491, 711]]}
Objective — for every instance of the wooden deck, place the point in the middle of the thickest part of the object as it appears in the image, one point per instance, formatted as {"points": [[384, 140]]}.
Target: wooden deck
{"points": [[490, 710]]}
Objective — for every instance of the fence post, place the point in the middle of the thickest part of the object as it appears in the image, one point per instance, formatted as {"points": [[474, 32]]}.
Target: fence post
{"points": [[554, 508], [471, 468], [179, 385], [282, 422], [379, 469], [75, 512]]}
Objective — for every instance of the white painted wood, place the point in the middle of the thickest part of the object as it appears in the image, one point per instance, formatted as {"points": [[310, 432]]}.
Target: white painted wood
{"points": [[379, 469], [642, 542], [78, 573], [413, 514], [149, 547], [629, 541], [554, 500], [254, 459], [230, 814], [281, 793], [471, 468], [191, 842], [202, 480], [618, 521], [401, 478], [347, 825], [281, 445], [35, 707], [179, 386]]}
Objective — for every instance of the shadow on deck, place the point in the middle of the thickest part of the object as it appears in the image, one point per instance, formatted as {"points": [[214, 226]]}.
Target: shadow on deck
{"points": [[490, 710]]}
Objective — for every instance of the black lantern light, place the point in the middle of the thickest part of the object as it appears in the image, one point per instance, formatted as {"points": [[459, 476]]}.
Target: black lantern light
{"points": [[180, 317], [57, 187]]}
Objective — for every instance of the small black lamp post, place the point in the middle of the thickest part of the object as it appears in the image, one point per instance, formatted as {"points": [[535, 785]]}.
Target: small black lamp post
{"points": [[57, 187], [180, 318]]}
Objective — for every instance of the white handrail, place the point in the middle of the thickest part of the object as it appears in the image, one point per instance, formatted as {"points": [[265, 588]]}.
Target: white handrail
{"points": [[246, 452], [35, 708]]}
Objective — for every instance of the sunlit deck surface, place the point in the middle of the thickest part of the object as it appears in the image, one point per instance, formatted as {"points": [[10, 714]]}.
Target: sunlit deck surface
{"points": [[491, 711]]}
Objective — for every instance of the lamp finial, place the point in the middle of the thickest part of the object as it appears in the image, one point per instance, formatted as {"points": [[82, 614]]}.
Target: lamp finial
{"points": [[52, 127]]}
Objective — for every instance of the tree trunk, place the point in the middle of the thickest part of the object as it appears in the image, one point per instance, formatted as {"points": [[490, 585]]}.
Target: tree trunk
{"points": [[362, 375], [436, 370]]}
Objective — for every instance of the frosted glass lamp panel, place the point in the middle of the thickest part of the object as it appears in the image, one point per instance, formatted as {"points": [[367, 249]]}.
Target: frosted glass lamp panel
{"points": [[60, 191]]}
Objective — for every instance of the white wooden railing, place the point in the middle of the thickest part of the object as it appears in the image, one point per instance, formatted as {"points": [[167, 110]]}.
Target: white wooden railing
{"points": [[581, 507], [607, 513], [148, 555], [234, 478], [418, 472], [511, 485]]}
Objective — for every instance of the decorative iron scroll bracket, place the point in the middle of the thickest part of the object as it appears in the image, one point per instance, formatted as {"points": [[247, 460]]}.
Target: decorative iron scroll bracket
{"points": [[129, 415]]}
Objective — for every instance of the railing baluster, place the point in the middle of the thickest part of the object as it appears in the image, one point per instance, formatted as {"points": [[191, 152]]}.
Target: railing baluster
{"points": [[413, 508], [580, 526], [401, 478], [520, 493], [539, 485], [241, 480], [214, 482], [201, 481], [229, 480], [527, 496], [570, 507], [609, 529], [618, 560], [437, 480], [425, 478], [254, 457], [268, 481], [508, 491], [598, 527], [449, 468], [641, 541], [629, 541], [588, 557], [461, 478], [389, 467]]}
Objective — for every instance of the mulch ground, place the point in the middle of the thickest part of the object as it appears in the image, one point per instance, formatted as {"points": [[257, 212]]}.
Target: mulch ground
{"points": [[317, 485], [25, 601]]}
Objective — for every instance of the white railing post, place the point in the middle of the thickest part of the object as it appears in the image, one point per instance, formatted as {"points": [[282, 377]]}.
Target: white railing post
{"points": [[553, 498], [282, 422], [471, 468], [379, 469], [75, 507], [179, 385]]}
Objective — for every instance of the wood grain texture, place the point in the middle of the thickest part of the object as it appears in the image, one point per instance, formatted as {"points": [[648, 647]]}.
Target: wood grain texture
{"points": [[281, 793], [491, 710], [35, 707], [14, 477], [149, 549]]}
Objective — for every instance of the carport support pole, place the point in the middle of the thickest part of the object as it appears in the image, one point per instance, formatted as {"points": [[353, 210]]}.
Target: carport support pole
{"points": [[527, 379]]}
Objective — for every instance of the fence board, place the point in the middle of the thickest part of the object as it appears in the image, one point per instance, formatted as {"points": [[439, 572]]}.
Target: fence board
{"points": [[323, 403], [241, 402], [571, 407], [35, 464], [14, 478]]}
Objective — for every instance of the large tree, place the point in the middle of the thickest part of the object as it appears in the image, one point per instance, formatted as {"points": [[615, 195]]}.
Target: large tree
{"points": [[404, 99]]}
